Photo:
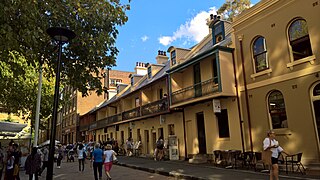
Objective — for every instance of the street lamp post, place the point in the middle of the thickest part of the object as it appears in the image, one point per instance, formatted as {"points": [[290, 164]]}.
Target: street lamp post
{"points": [[61, 35]]}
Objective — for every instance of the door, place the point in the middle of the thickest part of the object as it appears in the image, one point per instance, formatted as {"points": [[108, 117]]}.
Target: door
{"points": [[197, 80], [146, 142], [316, 106], [201, 134], [160, 133], [154, 140]]}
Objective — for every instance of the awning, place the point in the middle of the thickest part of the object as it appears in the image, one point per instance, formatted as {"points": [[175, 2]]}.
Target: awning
{"points": [[11, 127]]}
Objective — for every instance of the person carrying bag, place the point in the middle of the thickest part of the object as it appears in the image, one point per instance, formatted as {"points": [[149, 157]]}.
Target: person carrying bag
{"points": [[270, 154]]}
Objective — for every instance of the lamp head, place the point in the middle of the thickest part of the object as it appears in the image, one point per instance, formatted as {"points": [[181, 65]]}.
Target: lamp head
{"points": [[61, 34]]}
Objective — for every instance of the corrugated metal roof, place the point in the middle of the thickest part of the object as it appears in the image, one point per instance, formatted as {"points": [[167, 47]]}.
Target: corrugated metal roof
{"points": [[11, 127]]}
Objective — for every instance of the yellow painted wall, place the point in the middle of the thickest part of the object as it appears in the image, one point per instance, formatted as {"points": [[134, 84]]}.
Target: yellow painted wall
{"points": [[213, 141]]}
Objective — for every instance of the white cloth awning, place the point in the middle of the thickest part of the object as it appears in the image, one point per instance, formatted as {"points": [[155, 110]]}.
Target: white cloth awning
{"points": [[11, 127]]}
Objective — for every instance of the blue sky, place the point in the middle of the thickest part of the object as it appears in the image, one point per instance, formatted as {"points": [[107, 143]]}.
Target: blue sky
{"points": [[158, 24]]}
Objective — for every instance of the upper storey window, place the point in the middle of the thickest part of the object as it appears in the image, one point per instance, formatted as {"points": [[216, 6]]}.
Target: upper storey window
{"points": [[299, 39], [260, 54], [173, 57], [149, 72]]}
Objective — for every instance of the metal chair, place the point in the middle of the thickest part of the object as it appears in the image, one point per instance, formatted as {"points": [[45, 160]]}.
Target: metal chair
{"points": [[295, 160]]}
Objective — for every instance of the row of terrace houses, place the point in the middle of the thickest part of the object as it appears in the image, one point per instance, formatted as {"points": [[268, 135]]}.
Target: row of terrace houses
{"points": [[257, 73]]}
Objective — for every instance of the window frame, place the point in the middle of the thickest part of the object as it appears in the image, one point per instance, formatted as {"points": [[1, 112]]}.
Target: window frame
{"points": [[281, 115], [256, 55], [173, 56], [294, 60]]}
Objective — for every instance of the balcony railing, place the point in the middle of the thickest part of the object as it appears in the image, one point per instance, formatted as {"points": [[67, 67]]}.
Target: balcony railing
{"points": [[194, 91], [84, 127], [154, 107], [133, 113]]}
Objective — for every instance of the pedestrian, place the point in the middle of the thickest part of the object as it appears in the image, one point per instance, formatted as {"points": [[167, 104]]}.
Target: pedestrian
{"points": [[10, 166], [60, 157], [33, 164], [129, 145], [1, 160], [17, 159], [81, 157], [108, 156], [97, 159], [159, 152], [45, 159], [271, 144]]}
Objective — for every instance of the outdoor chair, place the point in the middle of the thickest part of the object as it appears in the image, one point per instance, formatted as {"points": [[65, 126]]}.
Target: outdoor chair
{"points": [[295, 160], [258, 160], [248, 159], [137, 148]]}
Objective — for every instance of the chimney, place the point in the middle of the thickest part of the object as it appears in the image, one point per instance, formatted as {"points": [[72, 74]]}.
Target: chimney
{"points": [[141, 68], [162, 58]]}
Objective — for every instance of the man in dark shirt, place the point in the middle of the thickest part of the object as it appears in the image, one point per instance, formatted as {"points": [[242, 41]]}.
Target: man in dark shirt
{"points": [[17, 157]]}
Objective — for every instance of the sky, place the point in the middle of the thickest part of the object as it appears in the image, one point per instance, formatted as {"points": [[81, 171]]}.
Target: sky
{"points": [[158, 24]]}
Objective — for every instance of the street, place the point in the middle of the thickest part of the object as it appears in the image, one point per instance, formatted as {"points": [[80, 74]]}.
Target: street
{"points": [[70, 171]]}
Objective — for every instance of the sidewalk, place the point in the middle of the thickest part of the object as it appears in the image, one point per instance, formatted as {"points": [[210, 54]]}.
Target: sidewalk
{"points": [[185, 170]]}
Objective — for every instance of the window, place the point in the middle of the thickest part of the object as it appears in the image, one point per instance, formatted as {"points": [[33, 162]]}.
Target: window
{"points": [[299, 39], [149, 72], [277, 110], [223, 124], [171, 129], [260, 54], [173, 57], [132, 81], [160, 93], [137, 102], [215, 72]]}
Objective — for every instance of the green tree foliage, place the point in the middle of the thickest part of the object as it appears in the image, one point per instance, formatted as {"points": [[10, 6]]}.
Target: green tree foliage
{"points": [[23, 29], [24, 42], [232, 8]]}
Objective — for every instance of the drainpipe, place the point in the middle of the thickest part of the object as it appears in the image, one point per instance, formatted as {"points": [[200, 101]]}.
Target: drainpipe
{"points": [[245, 90], [184, 136], [238, 101]]}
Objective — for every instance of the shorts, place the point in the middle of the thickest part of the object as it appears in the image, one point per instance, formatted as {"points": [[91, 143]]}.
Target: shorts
{"points": [[274, 160], [107, 166]]}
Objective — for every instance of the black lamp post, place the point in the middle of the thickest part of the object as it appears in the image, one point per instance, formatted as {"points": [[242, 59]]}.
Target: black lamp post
{"points": [[61, 35]]}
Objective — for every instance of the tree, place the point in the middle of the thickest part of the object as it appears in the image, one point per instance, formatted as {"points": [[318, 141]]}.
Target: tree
{"points": [[24, 42], [232, 8]]}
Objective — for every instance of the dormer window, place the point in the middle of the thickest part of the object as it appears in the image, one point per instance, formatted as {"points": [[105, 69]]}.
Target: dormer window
{"points": [[218, 32], [149, 72], [173, 57]]}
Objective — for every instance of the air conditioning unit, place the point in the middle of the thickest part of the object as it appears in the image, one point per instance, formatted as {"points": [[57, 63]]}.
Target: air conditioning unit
{"points": [[162, 119]]}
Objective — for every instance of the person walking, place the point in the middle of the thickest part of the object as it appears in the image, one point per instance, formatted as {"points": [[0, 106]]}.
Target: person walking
{"points": [[10, 166], [108, 156], [33, 164], [159, 152], [45, 156], [81, 157], [17, 158], [2, 157], [129, 145], [271, 144], [97, 159]]}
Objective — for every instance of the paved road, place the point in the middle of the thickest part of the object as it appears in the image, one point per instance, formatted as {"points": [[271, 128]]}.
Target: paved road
{"points": [[69, 171]]}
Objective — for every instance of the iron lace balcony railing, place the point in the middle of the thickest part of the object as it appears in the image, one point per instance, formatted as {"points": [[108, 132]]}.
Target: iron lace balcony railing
{"points": [[194, 91], [133, 113], [155, 107]]}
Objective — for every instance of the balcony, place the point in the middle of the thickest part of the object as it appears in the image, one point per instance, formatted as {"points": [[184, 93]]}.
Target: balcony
{"points": [[197, 90], [133, 113], [154, 107]]}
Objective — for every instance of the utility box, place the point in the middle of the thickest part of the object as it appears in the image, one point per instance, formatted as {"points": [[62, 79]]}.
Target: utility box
{"points": [[173, 148]]}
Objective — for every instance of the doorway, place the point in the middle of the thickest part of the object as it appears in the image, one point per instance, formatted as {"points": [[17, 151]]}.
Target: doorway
{"points": [[146, 142], [154, 140], [201, 133]]}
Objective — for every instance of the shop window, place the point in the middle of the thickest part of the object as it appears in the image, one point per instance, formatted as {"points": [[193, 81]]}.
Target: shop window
{"points": [[277, 110], [299, 39], [259, 50]]}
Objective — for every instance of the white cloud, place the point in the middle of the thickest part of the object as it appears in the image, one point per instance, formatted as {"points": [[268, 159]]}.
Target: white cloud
{"points": [[144, 38], [193, 30]]}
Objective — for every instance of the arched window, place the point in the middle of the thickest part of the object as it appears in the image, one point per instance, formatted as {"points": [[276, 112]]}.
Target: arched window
{"points": [[299, 39], [259, 50], [277, 110]]}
